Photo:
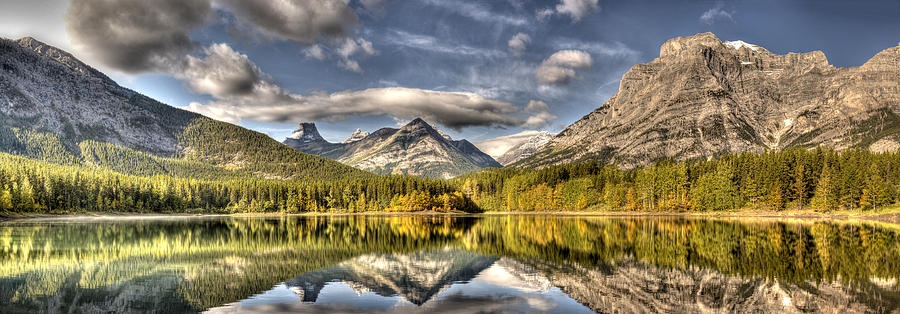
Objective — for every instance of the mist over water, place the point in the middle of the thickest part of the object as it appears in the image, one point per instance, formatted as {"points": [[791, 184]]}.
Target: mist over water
{"points": [[418, 264]]}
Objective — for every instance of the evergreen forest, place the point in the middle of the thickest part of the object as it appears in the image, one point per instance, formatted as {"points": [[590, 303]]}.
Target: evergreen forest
{"points": [[101, 177]]}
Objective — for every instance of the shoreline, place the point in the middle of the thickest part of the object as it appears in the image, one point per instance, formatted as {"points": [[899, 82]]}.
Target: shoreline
{"points": [[891, 216]]}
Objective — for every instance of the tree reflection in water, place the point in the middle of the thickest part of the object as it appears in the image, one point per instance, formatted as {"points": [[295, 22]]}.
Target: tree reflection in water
{"points": [[436, 262]]}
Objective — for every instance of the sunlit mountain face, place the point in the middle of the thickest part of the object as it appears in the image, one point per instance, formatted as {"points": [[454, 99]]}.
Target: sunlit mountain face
{"points": [[446, 264]]}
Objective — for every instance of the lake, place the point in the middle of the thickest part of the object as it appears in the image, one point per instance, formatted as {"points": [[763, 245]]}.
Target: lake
{"points": [[438, 264]]}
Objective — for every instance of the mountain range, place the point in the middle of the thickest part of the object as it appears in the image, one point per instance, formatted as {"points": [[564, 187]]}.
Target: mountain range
{"points": [[416, 149], [55, 108], [703, 97], [700, 98]]}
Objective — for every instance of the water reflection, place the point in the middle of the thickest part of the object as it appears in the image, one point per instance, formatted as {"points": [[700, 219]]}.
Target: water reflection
{"points": [[447, 280], [446, 264]]}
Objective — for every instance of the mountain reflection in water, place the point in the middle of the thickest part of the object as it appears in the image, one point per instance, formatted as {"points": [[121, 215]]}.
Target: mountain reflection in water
{"points": [[448, 280], [428, 264]]}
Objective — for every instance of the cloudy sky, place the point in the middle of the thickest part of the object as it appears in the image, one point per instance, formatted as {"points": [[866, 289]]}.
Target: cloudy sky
{"points": [[479, 69]]}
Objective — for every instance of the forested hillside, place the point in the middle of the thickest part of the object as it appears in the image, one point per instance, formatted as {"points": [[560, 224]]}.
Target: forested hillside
{"points": [[820, 179], [35, 187]]}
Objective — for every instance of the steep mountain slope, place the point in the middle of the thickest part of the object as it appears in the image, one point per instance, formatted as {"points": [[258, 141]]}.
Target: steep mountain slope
{"points": [[51, 104], [703, 97], [415, 149]]}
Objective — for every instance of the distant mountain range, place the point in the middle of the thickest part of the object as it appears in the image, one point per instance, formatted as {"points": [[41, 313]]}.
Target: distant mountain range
{"points": [[704, 97], [55, 108], [415, 149]]}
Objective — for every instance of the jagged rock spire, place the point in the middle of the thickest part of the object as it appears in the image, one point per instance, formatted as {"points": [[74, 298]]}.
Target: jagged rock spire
{"points": [[307, 132], [356, 136]]}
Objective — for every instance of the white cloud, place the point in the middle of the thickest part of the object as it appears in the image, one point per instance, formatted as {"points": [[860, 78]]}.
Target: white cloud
{"points": [[506, 78], [315, 52], [433, 44], [344, 49], [518, 43], [350, 65], [498, 146], [542, 116], [560, 67], [478, 12], [716, 13], [544, 14], [536, 106], [575, 9], [351, 47], [616, 49], [301, 21]]}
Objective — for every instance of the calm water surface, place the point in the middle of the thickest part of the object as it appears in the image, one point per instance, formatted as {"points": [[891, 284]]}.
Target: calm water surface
{"points": [[415, 264]]}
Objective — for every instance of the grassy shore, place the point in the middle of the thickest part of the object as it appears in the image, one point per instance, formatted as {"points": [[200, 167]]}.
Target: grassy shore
{"points": [[886, 215], [889, 214]]}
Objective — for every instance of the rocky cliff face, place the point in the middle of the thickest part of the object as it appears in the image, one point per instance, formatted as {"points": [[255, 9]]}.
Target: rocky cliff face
{"points": [[415, 149], [703, 97]]}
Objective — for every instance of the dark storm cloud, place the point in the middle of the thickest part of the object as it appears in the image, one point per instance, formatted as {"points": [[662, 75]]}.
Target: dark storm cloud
{"points": [[222, 72], [135, 35], [452, 109], [142, 36], [299, 20]]}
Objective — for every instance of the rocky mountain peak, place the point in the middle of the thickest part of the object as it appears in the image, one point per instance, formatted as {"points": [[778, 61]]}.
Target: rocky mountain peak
{"points": [[356, 136], [417, 123], [679, 45], [740, 44], [307, 132], [418, 127], [887, 59], [57, 55]]}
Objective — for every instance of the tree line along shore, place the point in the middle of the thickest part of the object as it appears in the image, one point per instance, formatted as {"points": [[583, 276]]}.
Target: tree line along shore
{"points": [[819, 180]]}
